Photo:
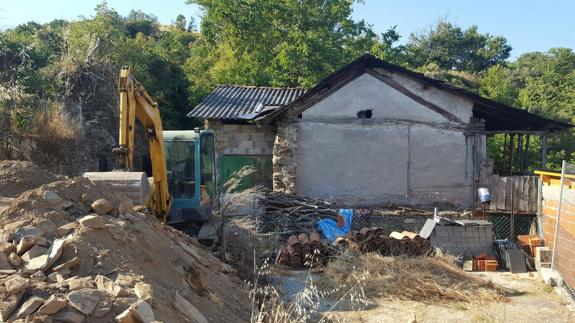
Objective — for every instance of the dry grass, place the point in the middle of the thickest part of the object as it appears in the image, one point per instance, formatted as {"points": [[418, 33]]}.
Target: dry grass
{"points": [[422, 279]]}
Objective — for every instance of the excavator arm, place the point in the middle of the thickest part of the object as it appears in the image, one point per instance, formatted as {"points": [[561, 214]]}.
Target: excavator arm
{"points": [[135, 102]]}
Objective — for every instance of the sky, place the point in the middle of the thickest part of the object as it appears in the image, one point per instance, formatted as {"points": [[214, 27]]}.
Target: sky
{"points": [[528, 25]]}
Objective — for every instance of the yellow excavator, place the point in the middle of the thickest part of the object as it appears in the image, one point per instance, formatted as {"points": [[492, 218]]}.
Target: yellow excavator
{"points": [[182, 161]]}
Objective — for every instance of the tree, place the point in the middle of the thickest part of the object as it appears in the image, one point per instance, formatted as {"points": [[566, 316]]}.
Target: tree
{"points": [[181, 22], [450, 47], [282, 43], [500, 83]]}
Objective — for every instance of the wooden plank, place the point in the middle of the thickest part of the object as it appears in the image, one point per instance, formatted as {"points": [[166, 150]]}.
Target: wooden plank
{"points": [[533, 194], [502, 192], [494, 191]]}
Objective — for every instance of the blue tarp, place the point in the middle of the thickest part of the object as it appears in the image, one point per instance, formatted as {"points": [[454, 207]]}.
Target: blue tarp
{"points": [[330, 229]]}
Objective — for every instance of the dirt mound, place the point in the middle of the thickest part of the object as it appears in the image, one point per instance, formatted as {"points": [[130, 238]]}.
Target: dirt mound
{"points": [[93, 257], [19, 176]]}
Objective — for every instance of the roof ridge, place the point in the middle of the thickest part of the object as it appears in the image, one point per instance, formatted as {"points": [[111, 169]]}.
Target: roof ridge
{"points": [[260, 87]]}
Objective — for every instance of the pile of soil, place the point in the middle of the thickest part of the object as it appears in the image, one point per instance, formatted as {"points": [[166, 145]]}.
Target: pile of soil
{"points": [[18, 176], [94, 257]]}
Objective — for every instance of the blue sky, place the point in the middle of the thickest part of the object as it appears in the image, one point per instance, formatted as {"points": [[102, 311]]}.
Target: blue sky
{"points": [[529, 25]]}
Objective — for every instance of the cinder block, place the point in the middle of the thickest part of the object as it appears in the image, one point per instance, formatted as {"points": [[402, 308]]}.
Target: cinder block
{"points": [[473, 234], [441, 233], [440, 228]]}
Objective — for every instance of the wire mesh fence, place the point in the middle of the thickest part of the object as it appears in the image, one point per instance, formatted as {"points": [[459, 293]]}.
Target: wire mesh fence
{"points": [[504, 225]]}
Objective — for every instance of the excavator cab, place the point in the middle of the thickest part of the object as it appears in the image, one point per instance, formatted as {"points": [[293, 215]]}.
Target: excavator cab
{"points": [[190, 164]]}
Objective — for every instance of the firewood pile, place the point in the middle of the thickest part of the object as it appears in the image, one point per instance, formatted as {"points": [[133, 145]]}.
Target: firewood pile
{"points": [[288, 213], [308, 251], [374, 240]]}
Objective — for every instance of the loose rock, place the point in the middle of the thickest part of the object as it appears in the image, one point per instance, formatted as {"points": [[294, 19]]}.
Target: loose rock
{"points": [[34, 252], [26, 243], [16, 284], [92, 221], [5, 262], [52, 305], [66, 228], [8, 305], [15, 260], [106, 284], [29, 307], [44, 262], [137, 312], [7, 248], [144, 291], [84, 300], [77, 283], [52, 197], [188, 309], [26, 231], [6, 236], [68, 264], [69, 316], [102, 207]]}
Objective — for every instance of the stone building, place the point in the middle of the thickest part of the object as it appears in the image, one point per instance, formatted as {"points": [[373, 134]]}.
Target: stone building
{"points": [[229, 111], [373, 133]]}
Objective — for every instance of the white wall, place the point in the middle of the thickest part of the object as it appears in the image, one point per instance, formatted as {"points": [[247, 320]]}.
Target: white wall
{"points": [[405, 154], [367, 92], [351, 163]]}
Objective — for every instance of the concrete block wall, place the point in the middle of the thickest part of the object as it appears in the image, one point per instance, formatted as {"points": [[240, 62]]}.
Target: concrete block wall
{"points": [[458, 240], [240, 139]]}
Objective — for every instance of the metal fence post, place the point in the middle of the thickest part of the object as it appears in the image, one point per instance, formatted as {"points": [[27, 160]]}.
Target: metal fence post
{"points": [[563, 165]]}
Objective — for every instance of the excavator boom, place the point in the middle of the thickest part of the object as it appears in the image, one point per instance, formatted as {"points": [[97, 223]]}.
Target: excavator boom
{"points": [[135, 102]]}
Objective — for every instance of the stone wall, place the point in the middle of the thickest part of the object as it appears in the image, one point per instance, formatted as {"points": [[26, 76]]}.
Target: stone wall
{"points": [[285, 157], [241, 139]]}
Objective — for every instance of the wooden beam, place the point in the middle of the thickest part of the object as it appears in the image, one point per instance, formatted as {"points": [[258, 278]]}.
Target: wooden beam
{"points": [[405, 91], [544, 151]]}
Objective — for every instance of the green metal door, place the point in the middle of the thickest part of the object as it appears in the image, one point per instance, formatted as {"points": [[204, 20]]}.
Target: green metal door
{"points": [[263, 175]]}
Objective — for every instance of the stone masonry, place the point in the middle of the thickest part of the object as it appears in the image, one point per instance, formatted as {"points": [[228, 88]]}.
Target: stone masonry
{"points": [[285, 158], [458, 240]]}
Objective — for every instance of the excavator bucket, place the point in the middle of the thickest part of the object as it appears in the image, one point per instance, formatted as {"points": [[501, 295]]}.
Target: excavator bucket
{"points": [[133, 184]]}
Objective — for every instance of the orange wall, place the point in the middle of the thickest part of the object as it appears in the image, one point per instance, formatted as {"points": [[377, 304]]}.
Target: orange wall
{"points": [[565, 253]]}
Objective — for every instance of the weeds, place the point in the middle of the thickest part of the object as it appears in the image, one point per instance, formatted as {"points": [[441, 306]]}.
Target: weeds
{"points": [[309, 304], [423, 279]]}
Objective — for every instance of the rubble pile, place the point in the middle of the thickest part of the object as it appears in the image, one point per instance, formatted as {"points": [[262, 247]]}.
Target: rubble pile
{"points": [[289, 213], [73, 251], [19, 176]]}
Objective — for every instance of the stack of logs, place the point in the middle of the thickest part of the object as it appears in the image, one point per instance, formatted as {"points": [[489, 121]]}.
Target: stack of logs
{"points": [[308, 251], [373, 240]]}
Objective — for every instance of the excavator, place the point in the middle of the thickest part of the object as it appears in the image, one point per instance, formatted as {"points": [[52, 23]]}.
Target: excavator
{"points": [[182, 187]]}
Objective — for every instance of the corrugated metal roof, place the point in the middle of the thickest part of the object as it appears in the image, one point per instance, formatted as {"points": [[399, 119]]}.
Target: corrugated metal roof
{"points": [[232, 101]]}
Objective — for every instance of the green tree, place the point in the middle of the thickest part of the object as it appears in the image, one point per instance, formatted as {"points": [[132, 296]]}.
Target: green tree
{"points": [[282, 43], [451, 47], [499, 83]]}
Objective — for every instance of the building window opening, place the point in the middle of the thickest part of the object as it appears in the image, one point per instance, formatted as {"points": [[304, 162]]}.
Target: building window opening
{"points": [[364, 114]]}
